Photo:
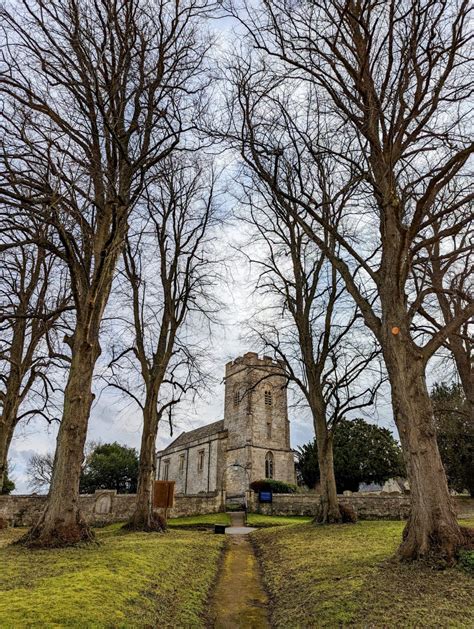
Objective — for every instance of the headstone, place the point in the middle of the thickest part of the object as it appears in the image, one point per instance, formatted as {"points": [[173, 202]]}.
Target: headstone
{"points": [[103, 504]]}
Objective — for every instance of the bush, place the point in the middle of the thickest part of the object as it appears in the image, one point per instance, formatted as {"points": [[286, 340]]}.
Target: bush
{"points": [[349, 516], [276, 486]]}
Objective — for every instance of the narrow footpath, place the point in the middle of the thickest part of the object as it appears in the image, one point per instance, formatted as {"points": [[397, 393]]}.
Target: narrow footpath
{"points": [[239, 600]]}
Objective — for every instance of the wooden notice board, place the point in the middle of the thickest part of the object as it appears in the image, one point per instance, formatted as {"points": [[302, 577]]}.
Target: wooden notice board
{"points": [[163, 494]]}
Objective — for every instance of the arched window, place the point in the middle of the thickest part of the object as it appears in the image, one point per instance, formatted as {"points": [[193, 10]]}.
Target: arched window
{"points": [[237, 397], [268, 398], [269, 465]]}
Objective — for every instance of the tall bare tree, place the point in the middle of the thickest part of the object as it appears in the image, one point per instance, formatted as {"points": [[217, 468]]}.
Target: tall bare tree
{"points": [[95, 95], [33, 297], [170, 270], [311, 325], [392, 84]]}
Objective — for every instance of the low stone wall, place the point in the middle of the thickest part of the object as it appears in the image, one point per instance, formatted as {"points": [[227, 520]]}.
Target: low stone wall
{"points": [[103, 507], [200, 504], [379, 507], [367, 507]]}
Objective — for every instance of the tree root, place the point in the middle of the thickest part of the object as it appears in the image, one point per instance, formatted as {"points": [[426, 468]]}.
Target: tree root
{"points": [[438, 549], [152, 524], [347, 515], [61, 536]]}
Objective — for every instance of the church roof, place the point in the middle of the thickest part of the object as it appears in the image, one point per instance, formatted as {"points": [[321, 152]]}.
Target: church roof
{"points": [[198, 433]]}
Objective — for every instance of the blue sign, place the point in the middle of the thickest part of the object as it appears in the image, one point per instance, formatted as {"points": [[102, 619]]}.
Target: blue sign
{"points": [[265, 496]]}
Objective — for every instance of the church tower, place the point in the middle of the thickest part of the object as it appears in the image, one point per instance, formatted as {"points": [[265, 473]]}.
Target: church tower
{"points": [[256, 419]]}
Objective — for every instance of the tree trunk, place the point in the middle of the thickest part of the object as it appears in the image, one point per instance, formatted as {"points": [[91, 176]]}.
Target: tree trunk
{"points": [[330, 513], [143, 518], [6, 434], [61, 524], [432, 530], [11, 401]]}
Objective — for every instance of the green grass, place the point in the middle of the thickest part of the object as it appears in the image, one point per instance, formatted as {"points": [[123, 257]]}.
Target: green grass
{"points": [[263, 521], [128, 580], [253, 519], [196, 521], [344, 575]]}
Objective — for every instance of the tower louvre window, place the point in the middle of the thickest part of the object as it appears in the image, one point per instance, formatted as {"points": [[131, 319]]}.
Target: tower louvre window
{"points": [[237, 397], [268, 398]]}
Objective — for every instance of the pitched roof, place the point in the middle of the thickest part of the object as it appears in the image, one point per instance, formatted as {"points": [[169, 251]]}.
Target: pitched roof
{"points": [[198, 433]]}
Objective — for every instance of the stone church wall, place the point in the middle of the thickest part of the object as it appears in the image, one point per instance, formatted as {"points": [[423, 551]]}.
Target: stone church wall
{"points": [[184, 466]]}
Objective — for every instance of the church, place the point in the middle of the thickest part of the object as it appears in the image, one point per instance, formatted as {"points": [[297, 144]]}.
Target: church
{"points": [[252, 442]]}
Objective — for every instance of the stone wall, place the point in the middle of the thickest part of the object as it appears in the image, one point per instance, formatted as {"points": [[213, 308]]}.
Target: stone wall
{"points": [[184, 469], [103, 507], [367, 507], [197, 505]]}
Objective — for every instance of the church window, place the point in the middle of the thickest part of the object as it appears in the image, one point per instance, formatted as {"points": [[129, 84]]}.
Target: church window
{"points": [[269, 430], [200, 460], [268, 398], [181, 462], [269, 471], [237, 397], [166, 470]]}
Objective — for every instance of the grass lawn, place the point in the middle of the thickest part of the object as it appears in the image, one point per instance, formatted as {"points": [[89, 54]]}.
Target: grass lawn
{"points": [[196, 521], [339, 575], [128, 580], [253, 519], [264, 521]]}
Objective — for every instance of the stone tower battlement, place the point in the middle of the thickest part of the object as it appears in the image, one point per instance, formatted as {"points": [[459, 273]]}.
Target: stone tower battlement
{"points": [[252, 359]]}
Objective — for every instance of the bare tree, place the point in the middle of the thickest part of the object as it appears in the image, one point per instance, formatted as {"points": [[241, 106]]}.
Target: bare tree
{"points": [[34, 298], [95, 95], [170, 270], [312, 326], [390, 83], [40, 467], [40, 471]]}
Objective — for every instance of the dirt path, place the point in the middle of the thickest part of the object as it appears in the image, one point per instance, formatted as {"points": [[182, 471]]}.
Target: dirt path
{"points": [[239, 600]]}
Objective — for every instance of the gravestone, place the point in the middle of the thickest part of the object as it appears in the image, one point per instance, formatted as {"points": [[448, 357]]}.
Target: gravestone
{"points": [[103, 504]]}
